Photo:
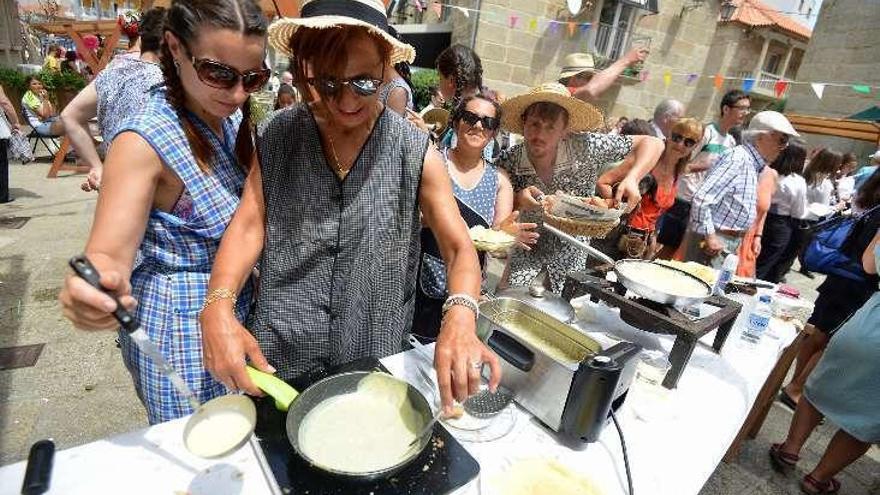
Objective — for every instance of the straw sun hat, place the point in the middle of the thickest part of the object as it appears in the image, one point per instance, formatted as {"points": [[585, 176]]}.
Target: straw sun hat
{"points": [[325, 14], [581, 115]]}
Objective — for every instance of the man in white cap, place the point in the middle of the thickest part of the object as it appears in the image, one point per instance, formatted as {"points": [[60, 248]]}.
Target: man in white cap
{"points": [[725, 205], [583, 81]]}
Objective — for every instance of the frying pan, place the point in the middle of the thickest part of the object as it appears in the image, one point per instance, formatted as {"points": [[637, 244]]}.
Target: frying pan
{"points": [[334, 386], [641, 288]]}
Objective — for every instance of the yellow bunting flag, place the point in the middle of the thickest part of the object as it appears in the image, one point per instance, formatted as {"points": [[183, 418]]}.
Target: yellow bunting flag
{"points": [[667, 79], [533, 25]]}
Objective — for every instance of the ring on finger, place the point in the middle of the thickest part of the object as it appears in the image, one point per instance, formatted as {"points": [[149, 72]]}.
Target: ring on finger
{"points": [[476, 365]]}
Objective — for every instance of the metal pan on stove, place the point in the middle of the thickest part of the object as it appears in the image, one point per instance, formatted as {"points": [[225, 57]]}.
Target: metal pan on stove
{"points": [[642, 286], [317, 396], [655, 290]]}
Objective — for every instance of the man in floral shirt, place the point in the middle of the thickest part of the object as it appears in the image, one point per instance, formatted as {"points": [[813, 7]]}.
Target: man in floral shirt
{"points": [[559, 155]]}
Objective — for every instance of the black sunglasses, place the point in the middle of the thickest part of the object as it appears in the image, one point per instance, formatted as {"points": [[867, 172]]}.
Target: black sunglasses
{"points": [[677, 138], [221, 76], [783, 140], [471, 119], [330, 88]]}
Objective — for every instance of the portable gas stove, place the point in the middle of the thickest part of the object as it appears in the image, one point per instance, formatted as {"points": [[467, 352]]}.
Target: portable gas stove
{"points": [[658, 318], [442, 467]]}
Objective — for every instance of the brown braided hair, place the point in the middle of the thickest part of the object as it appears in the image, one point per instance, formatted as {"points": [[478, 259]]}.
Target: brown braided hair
{"points": [[185, 18], [465, 68]]}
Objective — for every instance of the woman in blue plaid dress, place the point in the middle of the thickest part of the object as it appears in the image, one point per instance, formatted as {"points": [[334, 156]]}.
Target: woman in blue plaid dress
{"points": [[172, 180]]}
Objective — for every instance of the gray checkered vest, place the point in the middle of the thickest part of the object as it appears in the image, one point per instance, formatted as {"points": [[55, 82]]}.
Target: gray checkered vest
{"points": [[338, 270]]}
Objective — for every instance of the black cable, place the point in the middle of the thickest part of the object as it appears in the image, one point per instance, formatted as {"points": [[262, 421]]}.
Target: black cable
{"points": [[629, 480]]}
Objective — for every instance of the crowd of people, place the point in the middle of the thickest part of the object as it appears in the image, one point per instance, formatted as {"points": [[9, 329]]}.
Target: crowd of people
{"points": [[340, 224]]}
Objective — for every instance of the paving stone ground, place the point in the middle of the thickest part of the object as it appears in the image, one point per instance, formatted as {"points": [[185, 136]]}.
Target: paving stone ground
{"points": [[79, 391]]}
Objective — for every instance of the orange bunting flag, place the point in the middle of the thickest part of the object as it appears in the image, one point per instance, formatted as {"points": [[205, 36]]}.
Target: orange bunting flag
{"points": [[719, 81], [437, 7], [667, 79], [571, 28], [780, 88]]}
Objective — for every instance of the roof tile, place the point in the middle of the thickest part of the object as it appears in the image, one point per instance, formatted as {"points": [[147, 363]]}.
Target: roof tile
{"points": [[757, 13]]}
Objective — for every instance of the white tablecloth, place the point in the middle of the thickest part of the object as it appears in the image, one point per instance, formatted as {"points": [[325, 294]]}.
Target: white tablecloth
{"points": [[674, 452], [686, 436], [151, 461]]}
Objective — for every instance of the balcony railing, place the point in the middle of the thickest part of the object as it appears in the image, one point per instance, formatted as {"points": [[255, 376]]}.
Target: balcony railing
{"points": [[765, 84]]}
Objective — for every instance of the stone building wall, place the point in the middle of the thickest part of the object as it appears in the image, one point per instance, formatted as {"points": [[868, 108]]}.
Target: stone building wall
{"points": [[515, 59], [680, 44], [850, 54]]}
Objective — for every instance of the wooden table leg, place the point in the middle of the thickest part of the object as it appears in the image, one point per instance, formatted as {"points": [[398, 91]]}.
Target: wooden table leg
{"points": [[765, 399], [58, 162], [774, 382]]}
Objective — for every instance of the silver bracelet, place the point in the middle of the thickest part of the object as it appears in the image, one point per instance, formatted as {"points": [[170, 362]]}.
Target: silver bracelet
{"points": [[461, 300]]}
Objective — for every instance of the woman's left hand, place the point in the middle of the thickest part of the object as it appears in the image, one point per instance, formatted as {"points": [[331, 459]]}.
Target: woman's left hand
{"points": [[756, 246], [523, 232], [459, 357]]}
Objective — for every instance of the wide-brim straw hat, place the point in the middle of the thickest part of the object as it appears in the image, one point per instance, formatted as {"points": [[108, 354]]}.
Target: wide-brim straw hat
{"points": [[327, 14], [576, 63], [581, 115]]}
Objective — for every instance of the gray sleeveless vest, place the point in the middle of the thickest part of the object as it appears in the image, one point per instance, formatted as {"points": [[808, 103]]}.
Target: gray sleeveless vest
{"points": [[339, 265]]}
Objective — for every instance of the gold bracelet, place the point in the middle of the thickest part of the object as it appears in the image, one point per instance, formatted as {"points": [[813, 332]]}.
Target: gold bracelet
{"points": [[218, 294]]}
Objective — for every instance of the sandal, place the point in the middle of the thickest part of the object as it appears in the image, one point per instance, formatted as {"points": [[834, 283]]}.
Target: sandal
{"points": [[782, 462], [812, 486]]}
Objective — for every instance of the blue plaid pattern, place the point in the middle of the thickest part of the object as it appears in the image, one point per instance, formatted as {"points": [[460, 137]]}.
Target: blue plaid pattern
{"points": [[728, 198], [170, 276]]}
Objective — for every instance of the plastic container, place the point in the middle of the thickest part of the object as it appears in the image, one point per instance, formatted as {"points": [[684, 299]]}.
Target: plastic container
{"points": [[728, 269], [759, 320]]}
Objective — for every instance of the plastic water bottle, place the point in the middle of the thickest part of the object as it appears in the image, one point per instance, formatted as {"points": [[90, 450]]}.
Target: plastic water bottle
{"points": [[725, 274], [759, 320]]}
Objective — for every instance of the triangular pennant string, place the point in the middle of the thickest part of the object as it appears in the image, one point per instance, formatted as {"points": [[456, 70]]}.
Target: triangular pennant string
{"points": [[571, 28], [533, 25], [748, 84], [437, 7], [691, 78], [667, 79], [861, 88], [512, 21], [719, 81], [780, 87], [819, 89]]}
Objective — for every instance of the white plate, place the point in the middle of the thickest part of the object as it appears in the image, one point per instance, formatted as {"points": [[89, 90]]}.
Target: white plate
{"points": [[471, 429]]}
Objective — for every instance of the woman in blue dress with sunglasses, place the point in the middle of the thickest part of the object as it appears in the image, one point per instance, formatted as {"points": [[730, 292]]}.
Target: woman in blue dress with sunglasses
{"points": [[484, 196], [172, 179]]}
